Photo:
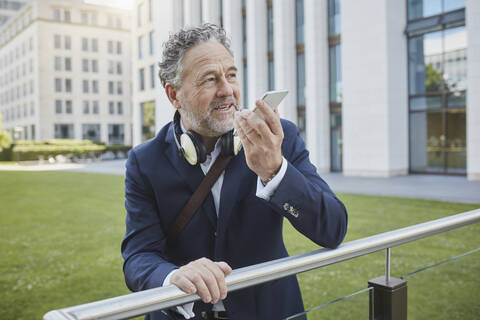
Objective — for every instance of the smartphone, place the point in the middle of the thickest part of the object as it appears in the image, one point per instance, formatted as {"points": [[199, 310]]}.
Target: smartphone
{"points": [[273, 98]]}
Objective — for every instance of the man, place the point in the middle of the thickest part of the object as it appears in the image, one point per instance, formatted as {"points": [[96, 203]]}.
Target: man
{"points": [[240, 222]]}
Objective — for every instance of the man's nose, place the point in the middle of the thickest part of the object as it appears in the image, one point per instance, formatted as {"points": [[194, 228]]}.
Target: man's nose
{"points": [[225, 88]]}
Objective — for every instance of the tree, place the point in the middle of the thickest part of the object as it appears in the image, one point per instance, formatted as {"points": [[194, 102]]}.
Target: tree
{"points": [[5, 138]]}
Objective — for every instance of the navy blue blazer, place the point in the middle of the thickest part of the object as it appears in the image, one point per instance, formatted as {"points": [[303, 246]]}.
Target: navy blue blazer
{"points": [[248, 229]]}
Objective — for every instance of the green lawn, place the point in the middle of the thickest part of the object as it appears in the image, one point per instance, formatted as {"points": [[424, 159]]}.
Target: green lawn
{"points": [[61, 235]]}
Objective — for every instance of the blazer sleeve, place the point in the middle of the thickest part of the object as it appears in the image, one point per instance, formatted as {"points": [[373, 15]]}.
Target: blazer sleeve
{"points": [[143, 247], [305, 199]]}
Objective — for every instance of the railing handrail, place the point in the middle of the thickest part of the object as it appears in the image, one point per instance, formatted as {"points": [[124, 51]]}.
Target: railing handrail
{"points": [[138, 303]]}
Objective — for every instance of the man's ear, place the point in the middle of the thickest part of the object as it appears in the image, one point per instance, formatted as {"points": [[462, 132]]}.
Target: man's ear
{"points": [[172, 94]]}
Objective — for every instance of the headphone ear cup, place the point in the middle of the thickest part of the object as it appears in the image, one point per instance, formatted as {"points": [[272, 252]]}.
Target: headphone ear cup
{"points": [[200, 150], [189, 149], [227, 144]]}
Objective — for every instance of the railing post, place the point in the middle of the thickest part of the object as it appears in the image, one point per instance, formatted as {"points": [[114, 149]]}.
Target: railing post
{"points": [[389, 298]]}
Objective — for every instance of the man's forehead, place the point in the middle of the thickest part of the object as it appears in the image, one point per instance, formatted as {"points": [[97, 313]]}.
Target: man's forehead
{"points": [[205, 54]]}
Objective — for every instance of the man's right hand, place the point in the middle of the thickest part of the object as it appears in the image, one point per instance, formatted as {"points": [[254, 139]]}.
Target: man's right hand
{"points": [[203, 277]]}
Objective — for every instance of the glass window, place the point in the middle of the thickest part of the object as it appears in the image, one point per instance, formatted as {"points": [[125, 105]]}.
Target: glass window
{"points": [[84, 17], [116, 133], [95, 86], [271, 75], [110, 66], [140, 15], [119, 22], [111, 107], [58, 85], [63, 131], [85, 86], [67, 16], [110, 46], [57, 41], [119, 107], [335, 65], [119, 87], [68, 106], [68, 43], [151, 41], [84, 44], [110, 87], [152, 76], [141, 79], [68, 85], [58, 106], [85, 64], [119, 68], [68, 64], [94, 65], [91, 132], [299, 21], [426, 8], [94, 18], [86, 107], [58, 63], [147, 114], [140, 47], [119, 47], [95, 45], [56, 14], [95, 107], [301, 79], [334, 17]]}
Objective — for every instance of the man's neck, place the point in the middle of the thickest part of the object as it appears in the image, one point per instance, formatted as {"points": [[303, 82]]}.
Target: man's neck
{"points": [[209, 143]]}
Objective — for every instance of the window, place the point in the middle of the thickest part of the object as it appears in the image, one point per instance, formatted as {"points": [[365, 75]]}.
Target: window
{"points": [[119, 22], [30, 44], [119, 87], [95, 86], [91, 132], [58, 63], [94, 66], [110, 87], [68, 107], [426, 8], [57, 41], [116, 134], [58, 106], [56, 14], [141, 80], [84, 17], [64, 131], [151, 41], [94, 18], [140, 47], [86, 107], [110, 66], [85, 65], [95, 107], [68, 43], [68, 85], [68, 64], [119, 68], [85, 86], [152, 76], [140, 15], [67, 16], [58, 85], [147, 116], [119, 47], [95, 45], [110, 46], [119, 107], [109, 20], [111, 107], [150, 9], [84, 44], [31, 87]]}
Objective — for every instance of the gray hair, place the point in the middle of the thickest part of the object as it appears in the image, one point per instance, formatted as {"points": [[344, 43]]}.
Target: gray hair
{"points": [[174, 49]]}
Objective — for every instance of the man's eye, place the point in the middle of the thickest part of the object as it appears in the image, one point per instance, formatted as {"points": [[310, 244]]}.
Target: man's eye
{"points": [[211, 79], [232, 75]]}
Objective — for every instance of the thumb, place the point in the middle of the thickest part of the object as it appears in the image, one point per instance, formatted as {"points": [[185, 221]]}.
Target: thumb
{"points": [[225, 267]]}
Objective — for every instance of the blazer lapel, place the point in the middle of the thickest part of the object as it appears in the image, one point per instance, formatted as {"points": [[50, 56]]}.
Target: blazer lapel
{"points": [[193, 175]]}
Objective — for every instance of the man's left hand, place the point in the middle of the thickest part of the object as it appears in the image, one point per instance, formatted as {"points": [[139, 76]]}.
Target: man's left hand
{"points": [[261, 139]]}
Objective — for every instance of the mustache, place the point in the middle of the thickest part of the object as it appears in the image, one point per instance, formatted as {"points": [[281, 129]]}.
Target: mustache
{"points": [[227, 100]]}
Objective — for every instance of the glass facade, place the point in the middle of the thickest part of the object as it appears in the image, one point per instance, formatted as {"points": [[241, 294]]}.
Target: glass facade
{"points": [[300, 51], [270, 47], [116, 134], [63, 131], [91, 132], [244, 46], [147, 113], [335, 85], [426, 8], [437, 88]]}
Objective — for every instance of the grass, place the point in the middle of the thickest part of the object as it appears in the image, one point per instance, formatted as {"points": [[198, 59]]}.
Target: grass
{"points": [[61, 235]]}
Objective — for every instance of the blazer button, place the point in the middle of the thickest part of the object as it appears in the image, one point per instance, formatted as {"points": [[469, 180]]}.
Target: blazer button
{"points": [[215, 234]]}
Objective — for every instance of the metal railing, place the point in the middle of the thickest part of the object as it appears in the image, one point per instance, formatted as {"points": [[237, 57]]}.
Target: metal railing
{"points": [[138, 303]]}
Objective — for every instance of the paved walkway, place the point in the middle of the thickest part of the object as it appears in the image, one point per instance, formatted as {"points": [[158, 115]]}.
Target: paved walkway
{"points": [[436, 187]]}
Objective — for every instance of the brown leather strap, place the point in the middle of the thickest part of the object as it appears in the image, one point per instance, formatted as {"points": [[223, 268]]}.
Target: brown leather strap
{"points": [[196, 199]]}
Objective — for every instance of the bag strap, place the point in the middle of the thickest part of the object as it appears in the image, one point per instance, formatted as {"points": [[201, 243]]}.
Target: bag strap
{"points": [[196, 199]]}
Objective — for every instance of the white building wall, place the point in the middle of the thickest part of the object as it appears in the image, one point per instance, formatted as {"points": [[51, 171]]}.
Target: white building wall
{"points": [[473, 93], [192, 10], [285, 55], [374, 87], [211, 11], [316, 72]]}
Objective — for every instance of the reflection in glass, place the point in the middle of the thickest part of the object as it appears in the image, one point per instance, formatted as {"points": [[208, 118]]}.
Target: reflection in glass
{"points": [[456, 142], [423, 8], [301, 79], [336, 149], [333, 17], [426, 141], [91, 132], [299, 21], [426, 102], [456, 99], [147, 110], [455, 59], [335, 73]]}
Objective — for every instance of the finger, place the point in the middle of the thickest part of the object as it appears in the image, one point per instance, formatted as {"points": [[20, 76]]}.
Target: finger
{"points": [[271, 117], [243, 137], [249, 127], [184, 284], [210, 281], [225, 267], [195, 276], [217, 272]]}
